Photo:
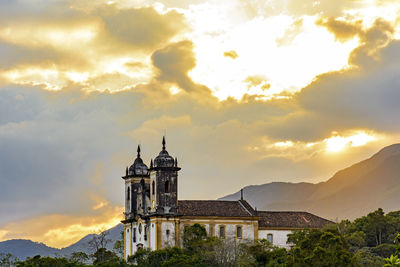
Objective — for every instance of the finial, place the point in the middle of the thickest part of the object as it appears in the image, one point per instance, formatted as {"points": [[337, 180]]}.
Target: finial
{"points": [[241, 194], [163, 142], [151, 164], [138, 151], [176, 162]]}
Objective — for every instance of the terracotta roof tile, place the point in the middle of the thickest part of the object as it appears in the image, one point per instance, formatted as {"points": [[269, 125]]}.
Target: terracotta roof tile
{"points": [[290, 219], [220, 208]]}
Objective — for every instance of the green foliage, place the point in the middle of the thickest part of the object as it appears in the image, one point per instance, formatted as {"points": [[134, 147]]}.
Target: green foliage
{"points": [[392, 261], [262, 253], [364, 257], [319, 248], [79, 257], [104, 257], [7, 260], [193, 236], [357, 239], [38, 261]]}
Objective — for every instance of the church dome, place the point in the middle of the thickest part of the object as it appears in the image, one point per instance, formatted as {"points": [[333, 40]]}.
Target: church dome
{"points": [[138, 167], [164, 159]]}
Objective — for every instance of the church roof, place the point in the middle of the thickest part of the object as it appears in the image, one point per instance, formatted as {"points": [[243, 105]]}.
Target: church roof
{"points": [[241, 208], [214, 208], [290, 219]]}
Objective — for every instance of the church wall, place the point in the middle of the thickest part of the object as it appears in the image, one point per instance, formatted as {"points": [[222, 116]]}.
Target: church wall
{"points": [[128, 238], [279, 237], [212, 227], [168, 239], [140, 240], [152, 239]]}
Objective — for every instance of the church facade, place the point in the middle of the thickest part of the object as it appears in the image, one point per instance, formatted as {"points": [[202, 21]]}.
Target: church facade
{"points": [[154, 217]]}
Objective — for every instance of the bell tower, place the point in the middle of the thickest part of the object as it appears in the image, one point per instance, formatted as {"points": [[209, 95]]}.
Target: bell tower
{"points": [[164, 183], [136, 188]]}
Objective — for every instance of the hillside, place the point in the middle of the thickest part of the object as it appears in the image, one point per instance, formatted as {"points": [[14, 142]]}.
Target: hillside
{"points": [[22, 249], [350, 193]]}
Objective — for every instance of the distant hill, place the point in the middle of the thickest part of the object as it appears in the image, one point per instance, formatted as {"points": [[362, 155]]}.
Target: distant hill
{"points": [[22, 248], [350, 193]]}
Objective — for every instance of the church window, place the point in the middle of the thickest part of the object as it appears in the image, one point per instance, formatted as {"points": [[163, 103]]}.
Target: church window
{"points": [[222, 231], [140, 228], [128, 194], [153, 188], [134, 235], [167, 187], [167, 232], [239, 232], [270, 238], [145, 233]]}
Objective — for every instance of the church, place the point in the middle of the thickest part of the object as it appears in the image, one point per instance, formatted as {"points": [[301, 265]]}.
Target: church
{"points": [[154, 217]]}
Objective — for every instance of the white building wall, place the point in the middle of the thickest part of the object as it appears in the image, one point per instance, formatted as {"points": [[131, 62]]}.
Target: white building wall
{"points": [[168, 239], [279, 237], [128, 233], [140, 241], [152, 239], [248, 228]]}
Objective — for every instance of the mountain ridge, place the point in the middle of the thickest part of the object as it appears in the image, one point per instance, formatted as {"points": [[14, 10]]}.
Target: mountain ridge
{"points": [[23, 248], [349, 193]]}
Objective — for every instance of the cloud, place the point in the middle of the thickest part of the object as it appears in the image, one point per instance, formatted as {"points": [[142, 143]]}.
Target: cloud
{"points": [[144, 28], [94, 48], [174, 62], [362, 97], [61, 230], [232, 54], [343, 30]]}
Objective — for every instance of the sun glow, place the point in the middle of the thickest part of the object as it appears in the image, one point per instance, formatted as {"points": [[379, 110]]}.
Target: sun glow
{"points": [[338, 143], [283, 61]]}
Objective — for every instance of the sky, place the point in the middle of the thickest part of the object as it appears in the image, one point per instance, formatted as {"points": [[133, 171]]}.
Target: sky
{"points": [[246, 91]]}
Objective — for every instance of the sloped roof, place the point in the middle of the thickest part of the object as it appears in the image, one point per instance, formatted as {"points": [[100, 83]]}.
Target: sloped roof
{"points": [[217, 208], [290, 219]]}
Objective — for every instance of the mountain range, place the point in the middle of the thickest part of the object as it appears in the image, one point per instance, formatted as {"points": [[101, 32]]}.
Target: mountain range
{"points": [[22, 248], [352, 192]]}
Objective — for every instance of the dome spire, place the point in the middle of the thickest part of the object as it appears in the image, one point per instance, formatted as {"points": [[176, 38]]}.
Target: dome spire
{"points": [[163, 143], [138, 151]]}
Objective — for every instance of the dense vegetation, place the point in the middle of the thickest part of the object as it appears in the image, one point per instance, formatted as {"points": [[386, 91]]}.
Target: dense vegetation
{"points": [[372, 240]]}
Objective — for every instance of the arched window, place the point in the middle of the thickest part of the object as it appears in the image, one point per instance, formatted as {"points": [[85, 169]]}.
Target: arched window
{"points": [[128, 193], [167, 187], [153, 188], [270, 238]]}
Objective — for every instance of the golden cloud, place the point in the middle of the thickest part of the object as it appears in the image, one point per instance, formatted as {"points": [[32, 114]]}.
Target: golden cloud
{"points": [[61, 230], [232, 54]]}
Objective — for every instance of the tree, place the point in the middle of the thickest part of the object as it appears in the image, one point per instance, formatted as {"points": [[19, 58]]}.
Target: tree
{"points": [[104, 257], [119, 246], [193, 235], [99, 241], [7, 260], [79, 257], [314, 247]]}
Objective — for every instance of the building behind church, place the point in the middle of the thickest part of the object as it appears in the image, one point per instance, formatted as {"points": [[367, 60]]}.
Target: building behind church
{"points": [[155, 218]]}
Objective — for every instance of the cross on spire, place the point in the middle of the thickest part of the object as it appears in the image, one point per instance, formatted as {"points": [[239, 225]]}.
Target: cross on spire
{"points": [[138, 151], [163, 143]]}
